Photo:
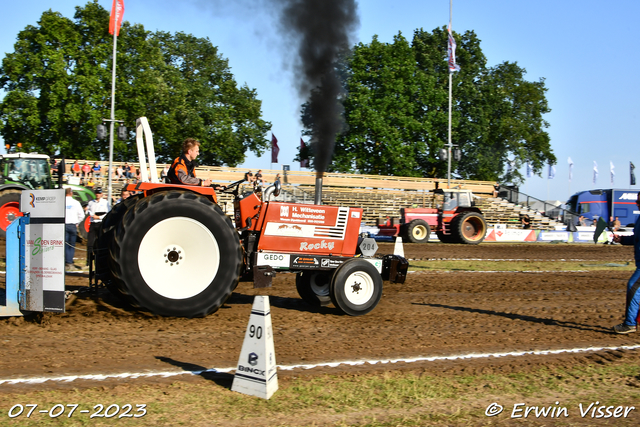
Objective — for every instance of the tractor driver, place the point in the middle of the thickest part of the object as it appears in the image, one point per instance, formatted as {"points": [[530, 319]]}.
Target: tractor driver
{"points": [[183, 169]]}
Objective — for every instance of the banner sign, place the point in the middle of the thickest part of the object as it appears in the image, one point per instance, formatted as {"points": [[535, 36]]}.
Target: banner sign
{"points": [[44, 267], [43, 250]]}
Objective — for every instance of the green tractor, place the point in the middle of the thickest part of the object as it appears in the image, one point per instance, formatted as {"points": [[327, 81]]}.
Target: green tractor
{"points": [[29, 171]]}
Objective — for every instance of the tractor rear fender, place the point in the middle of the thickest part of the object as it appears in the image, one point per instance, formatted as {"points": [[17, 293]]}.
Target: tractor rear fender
{"points": [[13, 187], [447, 216], [149, 188], [470, 209]]}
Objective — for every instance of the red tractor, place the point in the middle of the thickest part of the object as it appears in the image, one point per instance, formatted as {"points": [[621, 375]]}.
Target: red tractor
{"points": [[455, 220], [171, 249]]}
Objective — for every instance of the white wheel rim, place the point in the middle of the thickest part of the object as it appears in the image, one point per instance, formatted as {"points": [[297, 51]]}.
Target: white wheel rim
{"points": [[419, 231], [317, 286], [358, 288], [178, 258]]}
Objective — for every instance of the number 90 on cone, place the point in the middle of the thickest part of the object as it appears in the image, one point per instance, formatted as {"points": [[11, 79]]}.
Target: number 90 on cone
{"points": [[256, 374]]}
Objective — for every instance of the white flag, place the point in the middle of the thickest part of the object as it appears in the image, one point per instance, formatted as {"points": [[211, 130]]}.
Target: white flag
{"points": [[570, 168], [529, 170], [452, 53], [595, 171], [552, 171], [611, 168]]}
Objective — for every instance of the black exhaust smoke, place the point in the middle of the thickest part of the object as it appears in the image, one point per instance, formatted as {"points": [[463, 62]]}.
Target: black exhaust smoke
{"points": [[318, 31], [321, 29]]}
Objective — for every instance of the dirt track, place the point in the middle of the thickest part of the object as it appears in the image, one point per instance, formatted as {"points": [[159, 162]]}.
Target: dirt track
{"points": [[433, 313]]}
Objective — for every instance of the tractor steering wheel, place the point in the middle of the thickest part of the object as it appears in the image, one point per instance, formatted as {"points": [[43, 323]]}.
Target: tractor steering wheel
{"points": [[233, 187]]}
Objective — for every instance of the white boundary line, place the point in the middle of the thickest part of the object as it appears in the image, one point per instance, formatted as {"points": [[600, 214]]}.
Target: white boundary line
{"points": [[167, 374], [497, 271]]}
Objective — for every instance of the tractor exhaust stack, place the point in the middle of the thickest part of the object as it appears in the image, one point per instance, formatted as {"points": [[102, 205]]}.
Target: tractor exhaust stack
{"points": [[318, 196]]}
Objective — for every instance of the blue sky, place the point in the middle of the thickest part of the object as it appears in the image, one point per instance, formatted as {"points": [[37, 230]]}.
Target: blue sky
{"points": [[586, 50]]}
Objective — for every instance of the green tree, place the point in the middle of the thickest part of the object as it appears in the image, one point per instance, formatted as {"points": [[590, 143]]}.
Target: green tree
{"points": [[58, 89], [396, 110]]}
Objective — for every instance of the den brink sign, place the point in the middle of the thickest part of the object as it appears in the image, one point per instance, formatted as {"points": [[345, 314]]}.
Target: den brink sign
{"points": [[43, 271]]}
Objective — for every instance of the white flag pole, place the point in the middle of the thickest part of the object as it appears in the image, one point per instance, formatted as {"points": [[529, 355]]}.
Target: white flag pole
{"points": [[450, 84], [113, 114]]}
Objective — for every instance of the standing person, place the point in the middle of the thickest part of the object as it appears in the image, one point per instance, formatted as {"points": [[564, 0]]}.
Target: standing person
{"points": [[74, 215], [182, 170], [630, 323], [96, 209], [259, 177]]}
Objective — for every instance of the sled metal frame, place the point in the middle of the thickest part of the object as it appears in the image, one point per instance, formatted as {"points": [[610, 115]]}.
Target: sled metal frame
{"points": [[14, 292]]}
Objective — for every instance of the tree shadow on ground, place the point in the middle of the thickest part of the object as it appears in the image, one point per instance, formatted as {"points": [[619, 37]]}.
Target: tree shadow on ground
{"points": [[513, 316]]}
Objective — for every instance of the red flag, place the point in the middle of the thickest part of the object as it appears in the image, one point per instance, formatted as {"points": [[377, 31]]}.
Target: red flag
{"points": [[115, 22], [304, 163], [274, 149]]}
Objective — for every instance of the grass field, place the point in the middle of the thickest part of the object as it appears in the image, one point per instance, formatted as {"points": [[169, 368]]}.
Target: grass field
{"points": [[389, 399]]}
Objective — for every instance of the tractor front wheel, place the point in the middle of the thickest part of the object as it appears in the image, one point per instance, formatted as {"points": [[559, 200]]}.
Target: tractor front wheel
{"points": [[176, 253], [314, 287], [356, 287], [418, 231]]}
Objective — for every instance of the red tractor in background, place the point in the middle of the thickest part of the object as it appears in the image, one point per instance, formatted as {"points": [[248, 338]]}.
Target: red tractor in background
{"points": [[456, 219], [171, 250]]}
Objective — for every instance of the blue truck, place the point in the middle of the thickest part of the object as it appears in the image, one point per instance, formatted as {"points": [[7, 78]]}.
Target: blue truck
{"points": [[606, 203]]}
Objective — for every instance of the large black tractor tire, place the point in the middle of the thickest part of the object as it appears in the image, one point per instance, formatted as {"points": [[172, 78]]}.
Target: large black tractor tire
{"points": [[356, 287], [103, 246], [417, 231], [446, 238], [175, 253], [9, 208], [114, 217], [314, 287], [469, 228]]}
